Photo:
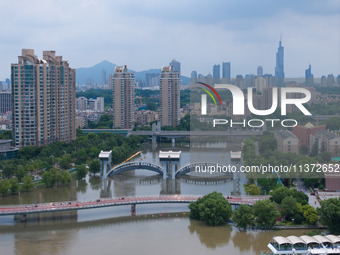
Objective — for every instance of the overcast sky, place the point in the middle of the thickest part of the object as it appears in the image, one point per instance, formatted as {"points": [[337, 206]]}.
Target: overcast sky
{"points": [[149, 33]]}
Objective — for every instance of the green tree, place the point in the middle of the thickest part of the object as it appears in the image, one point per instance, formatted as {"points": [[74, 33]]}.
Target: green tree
{"points": [[315, 150], [304, 150], [15, 187], [213, 209], [65, 161], [81, 171], [289, 207], [265, 213], [267, 184], [5, 185], [64, 177], [267, 144], [325, 157], [333, 123], [50, 177], [279, 194], [27, 183], [244, 217], [20, 172], [252, 189], [94, 166], [310, 214], [330, 214]]}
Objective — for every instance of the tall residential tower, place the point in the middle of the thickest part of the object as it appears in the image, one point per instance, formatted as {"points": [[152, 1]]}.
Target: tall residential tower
{"points": [[123, 98], [170, 96], [43, 96]]}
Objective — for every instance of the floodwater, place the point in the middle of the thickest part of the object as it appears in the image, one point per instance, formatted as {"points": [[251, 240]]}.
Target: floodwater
{"points": [[114, 231]]}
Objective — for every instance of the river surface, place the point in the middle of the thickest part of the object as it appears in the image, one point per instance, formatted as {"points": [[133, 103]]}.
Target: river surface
{"points": [[113, 230]]}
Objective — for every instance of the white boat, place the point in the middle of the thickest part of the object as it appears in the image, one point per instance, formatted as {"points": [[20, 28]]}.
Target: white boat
{"points": [[305, 245]]}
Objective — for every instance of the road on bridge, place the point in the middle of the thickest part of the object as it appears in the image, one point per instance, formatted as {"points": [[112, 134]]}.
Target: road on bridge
{"points": [[79, 205]]}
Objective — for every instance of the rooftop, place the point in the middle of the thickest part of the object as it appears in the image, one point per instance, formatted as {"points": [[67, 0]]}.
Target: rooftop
{"points": [[169, 154], [105, 154], [307, 239], [2, 141], [309, 125], [327, 133], [285, 134]]}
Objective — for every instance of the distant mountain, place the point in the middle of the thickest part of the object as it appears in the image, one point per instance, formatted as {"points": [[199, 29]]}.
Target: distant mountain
{"points": [[95, 73], [141, 75]]}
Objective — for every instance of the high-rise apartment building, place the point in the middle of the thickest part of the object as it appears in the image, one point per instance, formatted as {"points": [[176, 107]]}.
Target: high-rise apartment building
{"points": [[43, 96], [170, 96], [330, 80], [96, 104], [279, 68], [82, 103], [5, 102], [226, 70], [123, 98], [109, 81]]}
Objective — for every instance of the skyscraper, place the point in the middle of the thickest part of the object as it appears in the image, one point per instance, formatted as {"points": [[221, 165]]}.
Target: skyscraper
{"points": [[176, 65], [123, 98], [193, 75], [170, 96], [309, 77], [259, 71], [43, 94], [279, 68], [226, 70], [216, 72]]}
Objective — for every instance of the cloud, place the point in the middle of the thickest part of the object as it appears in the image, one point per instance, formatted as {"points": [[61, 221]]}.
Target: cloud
{"points": [[148, 34]]}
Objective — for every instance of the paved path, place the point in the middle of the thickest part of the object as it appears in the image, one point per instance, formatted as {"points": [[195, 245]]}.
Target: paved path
{"points": [[79, 205], [311, 198]]}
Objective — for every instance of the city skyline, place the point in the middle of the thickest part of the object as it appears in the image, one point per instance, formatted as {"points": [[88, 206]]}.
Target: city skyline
{"points": [[247, 37]]}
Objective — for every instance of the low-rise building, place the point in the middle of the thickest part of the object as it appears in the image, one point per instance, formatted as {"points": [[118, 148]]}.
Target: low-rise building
{"points": [[303, 132], [145, 117], [286, 141], [6, 151], [325, 139]]}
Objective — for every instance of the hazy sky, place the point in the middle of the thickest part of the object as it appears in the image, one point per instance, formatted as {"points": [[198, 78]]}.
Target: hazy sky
{"points": [[149, 33]]}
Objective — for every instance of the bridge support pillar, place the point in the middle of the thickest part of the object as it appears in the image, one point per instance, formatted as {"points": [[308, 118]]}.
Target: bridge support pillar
{"points": [[173, 142], [173, 170], [154, 139], [133, 210], [166, 170]]}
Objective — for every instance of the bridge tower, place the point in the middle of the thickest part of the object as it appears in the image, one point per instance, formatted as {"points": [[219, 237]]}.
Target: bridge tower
{"points": [[169, 158], [105, 162]]}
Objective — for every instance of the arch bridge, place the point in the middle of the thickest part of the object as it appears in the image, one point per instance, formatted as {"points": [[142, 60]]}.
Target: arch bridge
{"points": [[134, 166], [203, 166]]}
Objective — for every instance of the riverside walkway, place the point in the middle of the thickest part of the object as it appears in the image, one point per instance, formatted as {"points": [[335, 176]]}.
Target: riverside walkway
{"points": [[133, 201]]}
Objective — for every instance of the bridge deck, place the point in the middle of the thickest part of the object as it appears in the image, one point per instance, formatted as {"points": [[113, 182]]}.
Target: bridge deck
{"points": [[79, 205]]}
